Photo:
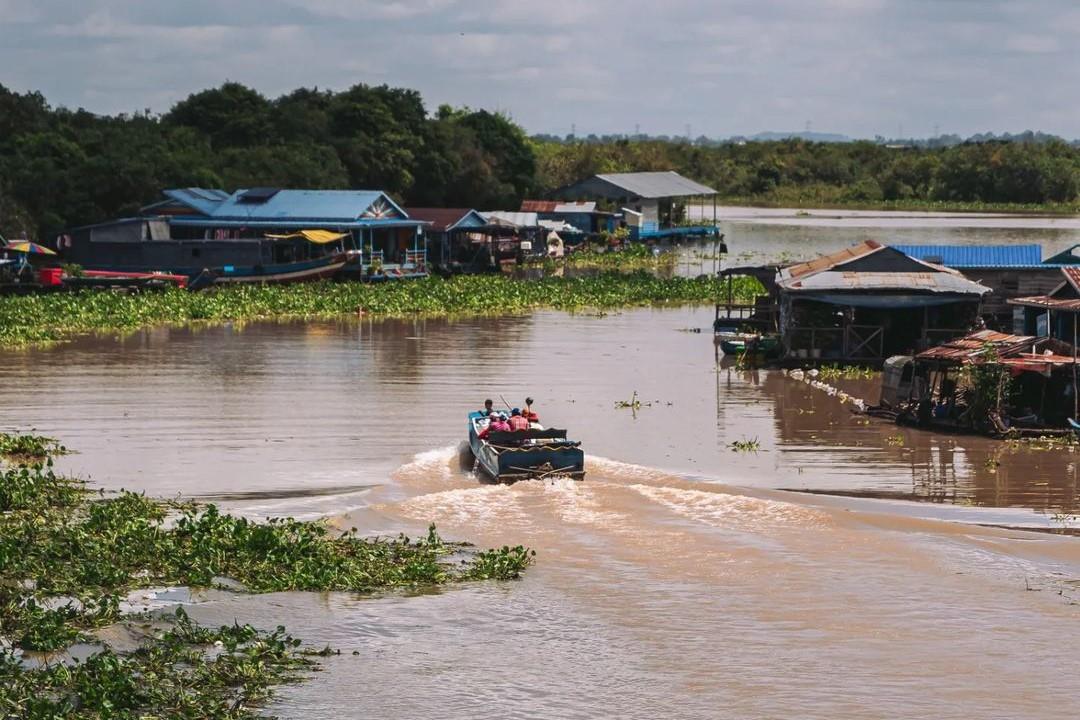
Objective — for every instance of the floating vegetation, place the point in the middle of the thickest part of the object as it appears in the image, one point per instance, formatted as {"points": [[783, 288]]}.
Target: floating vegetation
{"points": [[632, 404], [630, 257], [831, 373], [744, 445], [29, 447], [1068, 442], [895, 440], [33, 319], [69, 557]]}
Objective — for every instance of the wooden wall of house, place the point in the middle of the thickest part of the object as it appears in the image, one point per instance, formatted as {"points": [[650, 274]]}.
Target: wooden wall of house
{"points": [[1012, 283]]}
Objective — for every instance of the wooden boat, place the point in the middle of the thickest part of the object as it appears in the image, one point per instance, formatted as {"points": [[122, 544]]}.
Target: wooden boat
{"points": [[525, 454], [316, 269], [766, 344]]}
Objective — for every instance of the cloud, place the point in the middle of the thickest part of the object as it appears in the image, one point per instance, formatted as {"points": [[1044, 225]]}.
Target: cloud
{"points": [[860, 67]]}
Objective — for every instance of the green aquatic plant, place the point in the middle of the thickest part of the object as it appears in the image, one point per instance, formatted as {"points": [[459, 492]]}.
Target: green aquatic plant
{"points": [[34, 319], [21, 446], [830, 373], [69, 557], [745, 445]]}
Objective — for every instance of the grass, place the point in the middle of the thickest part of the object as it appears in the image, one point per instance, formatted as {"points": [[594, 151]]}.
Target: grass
{"points": [[68, 556], [39, 319]]}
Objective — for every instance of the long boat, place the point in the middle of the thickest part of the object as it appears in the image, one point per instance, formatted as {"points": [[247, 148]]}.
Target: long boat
{"points": [[536, 453], [318, 268]]}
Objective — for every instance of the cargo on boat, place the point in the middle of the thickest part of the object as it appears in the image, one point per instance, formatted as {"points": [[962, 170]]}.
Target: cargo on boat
{"points": [[535, 453]]}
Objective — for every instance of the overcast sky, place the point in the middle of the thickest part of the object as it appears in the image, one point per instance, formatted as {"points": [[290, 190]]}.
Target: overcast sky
{"points": [[723, 67]]}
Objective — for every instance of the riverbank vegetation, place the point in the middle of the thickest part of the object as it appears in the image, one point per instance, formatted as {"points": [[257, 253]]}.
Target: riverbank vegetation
{"points": [[69, 557], [33, 319], [61, 168]]}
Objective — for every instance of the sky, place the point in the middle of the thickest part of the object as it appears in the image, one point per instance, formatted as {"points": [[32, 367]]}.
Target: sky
{"points": [[720, 67]]}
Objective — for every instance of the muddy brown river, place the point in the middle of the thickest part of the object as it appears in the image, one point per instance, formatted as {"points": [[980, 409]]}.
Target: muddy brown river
{"points": [[847, 569]]}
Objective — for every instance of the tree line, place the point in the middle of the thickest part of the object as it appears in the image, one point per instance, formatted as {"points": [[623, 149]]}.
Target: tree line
{"points": [[61, 168]]}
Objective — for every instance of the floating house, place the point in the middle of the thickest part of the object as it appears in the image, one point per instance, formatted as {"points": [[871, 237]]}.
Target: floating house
{"points": [[1057, 313], [869, 302], [1041, 371], [457, 238], [654, 204], [581, 218], [258, 234], [1010, 271]]}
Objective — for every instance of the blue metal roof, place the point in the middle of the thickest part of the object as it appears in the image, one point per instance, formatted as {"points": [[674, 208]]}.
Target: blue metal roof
{"points": [[201, 200], [976, 256], [320, 205]]}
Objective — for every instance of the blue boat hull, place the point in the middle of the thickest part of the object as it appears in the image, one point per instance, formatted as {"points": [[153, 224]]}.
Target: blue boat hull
{"points": [[510, 464]]}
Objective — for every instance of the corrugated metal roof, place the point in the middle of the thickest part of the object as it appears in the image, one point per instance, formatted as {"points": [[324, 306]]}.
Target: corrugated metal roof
{"points": [[443, 219], [970, 347], [934, 282], [976, 256], [656, 184], [825, 262], [555, 206], [1072, 274], [203, 200], [1047, 302], [521, 219], [323, 205]]}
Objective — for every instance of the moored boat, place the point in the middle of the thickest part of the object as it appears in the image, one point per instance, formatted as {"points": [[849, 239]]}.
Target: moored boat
{"points": [[314, 269], [535, 453]]}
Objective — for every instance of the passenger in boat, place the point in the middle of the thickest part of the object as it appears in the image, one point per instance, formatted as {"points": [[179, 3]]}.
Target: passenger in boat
{"points": [[529, 414], [489, 407], [497, 423], [517, 420]]}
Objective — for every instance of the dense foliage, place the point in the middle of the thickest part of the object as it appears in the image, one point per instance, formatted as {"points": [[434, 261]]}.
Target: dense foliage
{"points": [[68, 558], [29, 319], [797, 172], [60, 168]]}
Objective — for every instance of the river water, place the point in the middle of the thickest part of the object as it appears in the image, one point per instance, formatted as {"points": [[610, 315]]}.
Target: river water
{"points": [[847, 569]]}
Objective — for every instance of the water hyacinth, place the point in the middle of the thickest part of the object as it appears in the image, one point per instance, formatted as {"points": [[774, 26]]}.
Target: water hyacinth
{"points": [[34, 319], [69, 557]]}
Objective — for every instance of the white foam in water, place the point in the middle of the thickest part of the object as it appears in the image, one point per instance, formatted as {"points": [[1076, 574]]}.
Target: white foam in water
{"points": [[616, 470], [432, 463], [576, 502], [739, 512], [485, 504]]}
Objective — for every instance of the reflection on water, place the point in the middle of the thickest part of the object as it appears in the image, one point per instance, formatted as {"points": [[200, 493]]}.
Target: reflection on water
{"points": [[678, 580]]}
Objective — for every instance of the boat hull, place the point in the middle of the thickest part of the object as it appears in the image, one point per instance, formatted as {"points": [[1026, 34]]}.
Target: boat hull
{"points": [[294, 272], [510, 464]]}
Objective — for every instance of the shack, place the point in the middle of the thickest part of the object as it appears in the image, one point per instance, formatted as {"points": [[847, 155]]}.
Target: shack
{"points": [[871, 301], [584, 217], [661, 202], [197, 228], [457, 237], [991, 382], [1010, 271], [1057, 313]]}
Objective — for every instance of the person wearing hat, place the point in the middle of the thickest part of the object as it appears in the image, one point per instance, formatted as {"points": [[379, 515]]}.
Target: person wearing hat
{"points": [[517, 420], [497, 423]]}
